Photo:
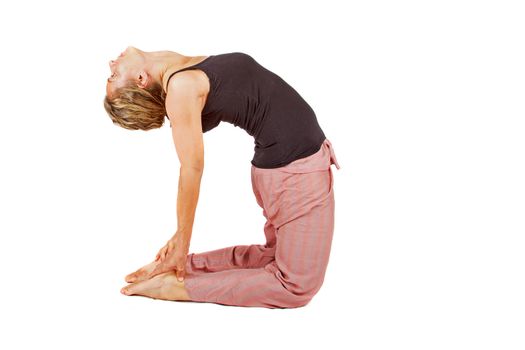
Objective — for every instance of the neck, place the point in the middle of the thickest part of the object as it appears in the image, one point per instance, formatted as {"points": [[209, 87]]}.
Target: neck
{"points": [[161, 62]]}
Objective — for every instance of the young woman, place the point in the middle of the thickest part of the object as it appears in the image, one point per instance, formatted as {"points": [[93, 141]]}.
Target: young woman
{"points": [[291, 176]]}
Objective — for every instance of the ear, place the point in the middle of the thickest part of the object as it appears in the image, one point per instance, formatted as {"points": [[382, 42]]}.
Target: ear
{"points": [[143, 79]]}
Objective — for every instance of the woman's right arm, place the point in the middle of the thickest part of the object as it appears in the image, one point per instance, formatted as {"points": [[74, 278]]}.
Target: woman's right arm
{"points": [[184, 105]]}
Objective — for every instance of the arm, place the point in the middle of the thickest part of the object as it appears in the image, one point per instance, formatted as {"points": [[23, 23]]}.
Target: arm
{"points": [[184, 104]]}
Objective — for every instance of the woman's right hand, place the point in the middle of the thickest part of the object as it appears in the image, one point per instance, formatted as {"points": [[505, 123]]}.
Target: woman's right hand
{"points": [[161, 255], [172, 257]]}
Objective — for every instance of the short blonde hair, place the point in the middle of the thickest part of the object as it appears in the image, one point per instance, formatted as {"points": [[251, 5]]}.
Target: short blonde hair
{"points": [[136, 108]]}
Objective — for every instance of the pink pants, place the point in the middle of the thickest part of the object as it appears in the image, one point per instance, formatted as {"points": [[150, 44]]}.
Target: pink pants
{"points": [[286, 272]]}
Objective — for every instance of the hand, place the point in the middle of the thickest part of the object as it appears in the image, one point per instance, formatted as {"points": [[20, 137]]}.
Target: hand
{"points": [[172, 257]]}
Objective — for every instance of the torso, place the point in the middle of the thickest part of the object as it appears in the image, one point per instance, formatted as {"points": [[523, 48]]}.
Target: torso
{"points": [[238, 90]]}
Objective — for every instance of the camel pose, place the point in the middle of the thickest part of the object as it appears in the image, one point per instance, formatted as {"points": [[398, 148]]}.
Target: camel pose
{"points": [[291, 175]]}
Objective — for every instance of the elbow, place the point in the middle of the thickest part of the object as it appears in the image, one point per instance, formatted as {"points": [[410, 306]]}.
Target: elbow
{"points": [[197, 167]]}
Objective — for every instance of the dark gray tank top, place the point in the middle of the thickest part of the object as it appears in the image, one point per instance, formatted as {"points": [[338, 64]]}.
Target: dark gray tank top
{"points": [[249, 96]]}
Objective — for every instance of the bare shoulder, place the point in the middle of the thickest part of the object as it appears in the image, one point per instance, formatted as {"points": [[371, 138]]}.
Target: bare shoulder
{"points": [[187, 83]]}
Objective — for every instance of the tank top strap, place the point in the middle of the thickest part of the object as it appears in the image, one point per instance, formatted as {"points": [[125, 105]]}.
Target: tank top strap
{"points": [[186, 68]]}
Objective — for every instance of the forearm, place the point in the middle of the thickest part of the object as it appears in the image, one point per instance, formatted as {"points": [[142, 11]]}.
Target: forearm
{"points": [[187, 198]]}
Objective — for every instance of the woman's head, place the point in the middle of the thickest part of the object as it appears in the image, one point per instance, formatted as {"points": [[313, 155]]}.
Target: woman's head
{"points": [[134, 99]]}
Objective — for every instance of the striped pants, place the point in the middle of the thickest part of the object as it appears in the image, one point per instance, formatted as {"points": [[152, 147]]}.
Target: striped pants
{"points": [[286, 272]]}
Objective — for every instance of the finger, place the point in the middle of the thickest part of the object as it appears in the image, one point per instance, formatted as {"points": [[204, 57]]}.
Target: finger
{"points": [[159, 254], [180, 275], [163, 253], [170, 247], [153, 273], [160, 268]]}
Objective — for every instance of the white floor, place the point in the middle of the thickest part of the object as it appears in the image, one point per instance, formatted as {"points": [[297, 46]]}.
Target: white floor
{"points": [[422, 101]]}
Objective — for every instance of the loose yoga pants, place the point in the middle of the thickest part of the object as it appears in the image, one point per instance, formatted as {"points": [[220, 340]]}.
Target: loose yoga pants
{"points": [[286, 272]]}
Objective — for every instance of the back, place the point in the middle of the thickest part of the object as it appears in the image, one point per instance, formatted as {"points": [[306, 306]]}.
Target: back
{"points": [[249, 96]]}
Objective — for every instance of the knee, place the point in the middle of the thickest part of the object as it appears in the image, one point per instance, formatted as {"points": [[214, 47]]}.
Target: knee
{"points": [[295, 289], [300, 301], [294, 300], [300, 292]]}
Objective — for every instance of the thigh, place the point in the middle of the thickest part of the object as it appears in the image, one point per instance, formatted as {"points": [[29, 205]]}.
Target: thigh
{"points": [[305, 231]]}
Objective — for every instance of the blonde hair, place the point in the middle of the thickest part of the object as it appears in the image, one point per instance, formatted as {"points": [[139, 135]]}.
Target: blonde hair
{"points": [[136, 108]]}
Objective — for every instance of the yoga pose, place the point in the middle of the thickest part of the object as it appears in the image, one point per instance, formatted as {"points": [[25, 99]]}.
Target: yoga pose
{"points": [[291, 176]]}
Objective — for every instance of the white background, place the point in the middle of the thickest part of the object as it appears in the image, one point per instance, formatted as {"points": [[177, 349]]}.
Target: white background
{"points": [[423, 102]]}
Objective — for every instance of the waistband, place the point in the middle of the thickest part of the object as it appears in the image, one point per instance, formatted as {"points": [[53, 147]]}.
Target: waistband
{"points": [[319, 161]]}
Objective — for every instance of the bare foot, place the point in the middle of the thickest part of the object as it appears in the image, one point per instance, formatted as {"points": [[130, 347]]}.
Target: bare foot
{"points": [[142, 273], [162, 286]]}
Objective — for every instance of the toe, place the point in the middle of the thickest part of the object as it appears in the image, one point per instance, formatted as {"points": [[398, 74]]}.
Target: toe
{"points": [[132, 277], [141, 274]]}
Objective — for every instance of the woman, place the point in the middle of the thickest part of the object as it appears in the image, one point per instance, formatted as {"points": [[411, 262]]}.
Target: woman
{"points": [[291, 176]]}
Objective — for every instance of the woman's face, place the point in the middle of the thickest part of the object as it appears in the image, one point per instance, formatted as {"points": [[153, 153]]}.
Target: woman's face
{"points": [[124, 68]]}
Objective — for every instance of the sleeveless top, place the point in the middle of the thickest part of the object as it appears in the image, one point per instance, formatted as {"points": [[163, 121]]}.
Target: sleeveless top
{"points": [[249, 96]]}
